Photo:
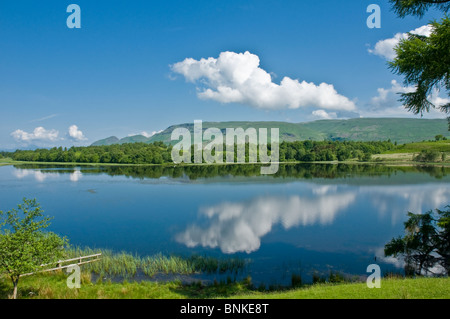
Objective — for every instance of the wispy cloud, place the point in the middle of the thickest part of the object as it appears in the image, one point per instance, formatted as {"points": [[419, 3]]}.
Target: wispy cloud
{"points": [[44, 118]]}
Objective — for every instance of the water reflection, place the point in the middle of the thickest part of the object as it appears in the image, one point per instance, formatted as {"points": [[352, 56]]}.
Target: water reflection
{"points": [[37, 174], [337, 216], [76, 175], [239, 226], [212, 172], [42, 175], [396, 201]]}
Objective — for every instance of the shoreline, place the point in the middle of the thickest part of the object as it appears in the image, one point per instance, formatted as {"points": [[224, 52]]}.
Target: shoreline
{"points": [[348, 162]]}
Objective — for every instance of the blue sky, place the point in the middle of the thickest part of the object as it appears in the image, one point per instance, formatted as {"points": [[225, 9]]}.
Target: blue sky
{"points": [[116, 75]]}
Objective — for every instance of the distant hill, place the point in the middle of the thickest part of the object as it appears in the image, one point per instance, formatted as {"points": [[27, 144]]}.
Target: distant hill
{"points": [[107, 141], [400, 130]]}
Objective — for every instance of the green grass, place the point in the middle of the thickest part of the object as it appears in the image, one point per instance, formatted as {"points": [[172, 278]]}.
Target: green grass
{"points": [[5, 161], [420, 288], [53, 286], [113, 277], [440, 146]]}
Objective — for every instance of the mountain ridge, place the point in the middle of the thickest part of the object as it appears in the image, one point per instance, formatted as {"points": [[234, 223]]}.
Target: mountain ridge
{"points": [[400, 130]]}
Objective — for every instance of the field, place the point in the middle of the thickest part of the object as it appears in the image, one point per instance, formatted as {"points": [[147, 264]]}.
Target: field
{"points": [[53, 286], [420, 288], [440, 146], [405, 153]]}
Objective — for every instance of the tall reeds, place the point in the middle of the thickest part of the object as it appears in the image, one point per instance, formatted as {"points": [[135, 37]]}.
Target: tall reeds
{"points": [[126, 265]]}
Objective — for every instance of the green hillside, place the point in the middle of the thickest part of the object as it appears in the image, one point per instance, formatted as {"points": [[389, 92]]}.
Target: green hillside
{"points": [[114, 140], [134, 139], [288, 131], [107, 141], [400, 130]]}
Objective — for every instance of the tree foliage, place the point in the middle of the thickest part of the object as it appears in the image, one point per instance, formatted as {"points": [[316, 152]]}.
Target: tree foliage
{"points": [[427, 156], [425, 64], [159, 153], [423, 61], [426, 243], [418, 8], [24, 245]]}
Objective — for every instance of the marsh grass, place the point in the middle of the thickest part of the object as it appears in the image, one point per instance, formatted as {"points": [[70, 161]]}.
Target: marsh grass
{"points": [[126, 265]]}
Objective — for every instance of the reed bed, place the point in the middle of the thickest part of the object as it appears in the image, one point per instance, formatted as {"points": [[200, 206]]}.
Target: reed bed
{"points": [[126, 265]]}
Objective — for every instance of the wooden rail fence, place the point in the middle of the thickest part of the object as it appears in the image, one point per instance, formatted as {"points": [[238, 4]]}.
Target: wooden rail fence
{"points": [[59, 264]]}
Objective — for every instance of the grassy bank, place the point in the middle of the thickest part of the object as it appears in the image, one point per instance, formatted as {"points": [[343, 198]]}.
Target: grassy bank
{"points": [[6, 161], [120, 275], [53, 286], [393, 288]]}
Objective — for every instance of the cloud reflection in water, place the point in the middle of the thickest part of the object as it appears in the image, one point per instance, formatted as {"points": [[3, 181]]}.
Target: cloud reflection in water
{"points": [[239, 226]]}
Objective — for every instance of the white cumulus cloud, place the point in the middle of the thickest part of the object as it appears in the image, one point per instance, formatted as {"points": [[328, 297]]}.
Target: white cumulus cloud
{"points": [[387, 103], [39, 134], [389, 97], [76, 134], [324, 115], [439, 101], [385, 48], [238, 78]]}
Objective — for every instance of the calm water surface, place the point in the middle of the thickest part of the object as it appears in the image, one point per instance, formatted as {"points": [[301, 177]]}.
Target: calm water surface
{"points": [[306, 219]]}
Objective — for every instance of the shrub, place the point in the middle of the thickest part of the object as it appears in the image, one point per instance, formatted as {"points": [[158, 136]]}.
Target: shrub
{"points": [[427, 156]]}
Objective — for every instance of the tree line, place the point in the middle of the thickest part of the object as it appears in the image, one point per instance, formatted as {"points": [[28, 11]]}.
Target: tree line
{"points": [[160, 153]]}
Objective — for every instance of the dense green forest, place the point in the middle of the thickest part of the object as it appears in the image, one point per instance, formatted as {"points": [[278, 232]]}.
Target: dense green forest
{"points": [[160, 153]]}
